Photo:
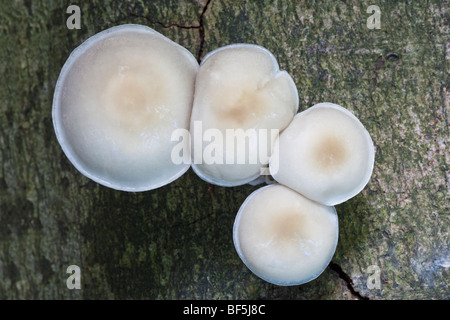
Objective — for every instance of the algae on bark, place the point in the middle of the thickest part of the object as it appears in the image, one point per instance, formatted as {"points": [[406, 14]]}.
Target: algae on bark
{"points": [[176, 242]]}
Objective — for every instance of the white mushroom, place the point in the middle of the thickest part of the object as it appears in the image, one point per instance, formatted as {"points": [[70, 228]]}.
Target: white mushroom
{"points": [[119, 97], [241, 99], [325, 154], [284, 237]]}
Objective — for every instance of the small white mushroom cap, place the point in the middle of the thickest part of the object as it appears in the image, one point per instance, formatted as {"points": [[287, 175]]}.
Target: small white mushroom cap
{"points": [[325, 154], [283, 237], [118, 98], [239, 87]]}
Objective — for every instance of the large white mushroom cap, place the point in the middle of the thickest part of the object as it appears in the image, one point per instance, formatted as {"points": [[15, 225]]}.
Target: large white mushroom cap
{"points": [[284, 237], [239, 87], [325, 154], [119, 97]]}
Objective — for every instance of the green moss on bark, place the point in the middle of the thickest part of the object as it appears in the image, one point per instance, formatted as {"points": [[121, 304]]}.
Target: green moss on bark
{"points": [[176, 242]]}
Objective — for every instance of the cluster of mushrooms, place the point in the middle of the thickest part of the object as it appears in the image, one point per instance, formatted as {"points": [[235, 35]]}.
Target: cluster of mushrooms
{"points": [[126, 95]]}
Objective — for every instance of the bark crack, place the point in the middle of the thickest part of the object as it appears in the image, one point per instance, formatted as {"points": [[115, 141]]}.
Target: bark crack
{"points": [[163, 25], [200, 27], [201, 31], [344, 276]]}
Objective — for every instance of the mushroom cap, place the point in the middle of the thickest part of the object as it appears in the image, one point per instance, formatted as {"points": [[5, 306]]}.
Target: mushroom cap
{"points": [[118, 98], [240, 87], [325, 154], [283, 237]]}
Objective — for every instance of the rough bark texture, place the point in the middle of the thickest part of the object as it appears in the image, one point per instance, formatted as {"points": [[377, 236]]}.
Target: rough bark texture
{"points": [[176, 242]]}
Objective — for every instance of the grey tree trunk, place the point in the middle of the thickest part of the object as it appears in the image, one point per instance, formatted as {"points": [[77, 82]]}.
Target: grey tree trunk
{"points": [[176, 242]]}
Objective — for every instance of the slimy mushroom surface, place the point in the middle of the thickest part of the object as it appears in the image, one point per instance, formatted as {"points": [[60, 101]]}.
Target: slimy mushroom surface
{"points": [[284, 237], [119, 97], [239, 87], [325, 154]]}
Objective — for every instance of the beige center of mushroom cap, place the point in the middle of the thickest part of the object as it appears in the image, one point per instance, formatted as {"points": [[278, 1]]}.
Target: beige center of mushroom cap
{"points": [[241, 109], [330, 153], [287, 227], [135, 100]]}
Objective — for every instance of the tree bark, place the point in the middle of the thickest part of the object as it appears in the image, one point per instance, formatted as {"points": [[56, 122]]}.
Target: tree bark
{"points": [[176, 242]]}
